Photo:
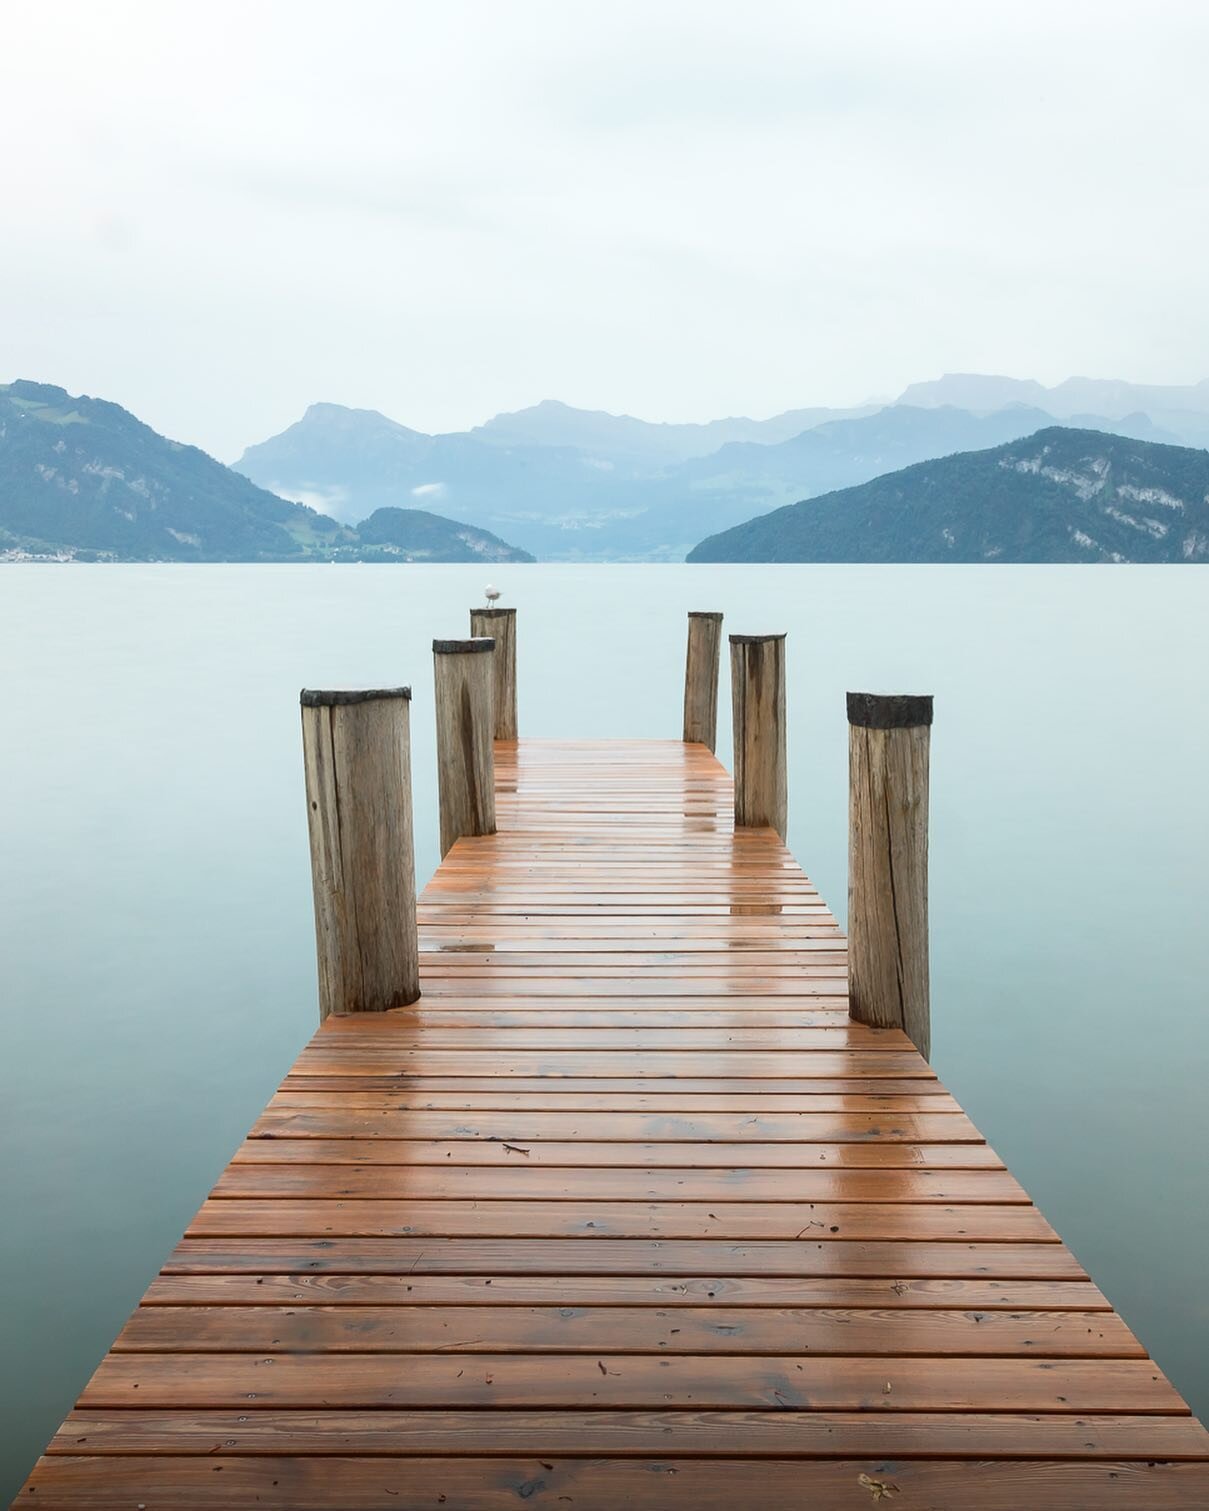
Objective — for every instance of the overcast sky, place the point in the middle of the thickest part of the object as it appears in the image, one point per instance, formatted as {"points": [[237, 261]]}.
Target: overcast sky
{"points": [[216, 214]]}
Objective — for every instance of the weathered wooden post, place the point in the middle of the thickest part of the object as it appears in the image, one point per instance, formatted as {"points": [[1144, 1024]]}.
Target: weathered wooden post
{"points": [[757, 690], [888, 742], [463, 676], [500, 625], [357, 754], [701, 678]]}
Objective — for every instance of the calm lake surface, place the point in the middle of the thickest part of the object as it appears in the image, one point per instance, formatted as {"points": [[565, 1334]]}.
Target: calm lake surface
{"points": [[156, 939]]}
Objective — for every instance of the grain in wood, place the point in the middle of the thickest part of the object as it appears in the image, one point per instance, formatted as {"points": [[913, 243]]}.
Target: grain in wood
{"points": [[357, 758], [500, 625], [888, 863], [757, 685], [464, 682], [701, 679]]}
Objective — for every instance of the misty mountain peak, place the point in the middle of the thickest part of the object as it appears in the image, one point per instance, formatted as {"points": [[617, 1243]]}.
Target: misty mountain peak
{"points": [[974, 391], [341, 417]]}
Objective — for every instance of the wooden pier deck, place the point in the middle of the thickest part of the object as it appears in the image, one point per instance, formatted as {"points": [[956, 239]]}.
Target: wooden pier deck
{"points": [[625, 1212]]}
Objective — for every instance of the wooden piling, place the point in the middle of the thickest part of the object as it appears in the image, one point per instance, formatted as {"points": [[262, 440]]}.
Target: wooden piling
{"points": [[701, 679], [757, 677], [500, 625], [357, 757], [463, 676], [888, 744]]}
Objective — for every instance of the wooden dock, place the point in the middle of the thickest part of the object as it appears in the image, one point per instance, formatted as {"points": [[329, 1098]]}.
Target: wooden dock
{"points": [[624, 1212]]}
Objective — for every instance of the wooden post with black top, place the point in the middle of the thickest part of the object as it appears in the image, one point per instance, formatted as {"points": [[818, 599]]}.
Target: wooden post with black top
{"points": [[357, 757], [888, 749], [463, 678], [500, 625], [701, 679], [757, 690]]}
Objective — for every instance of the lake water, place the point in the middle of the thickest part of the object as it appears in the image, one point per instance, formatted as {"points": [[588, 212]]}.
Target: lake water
{"points": [[156, 939]]}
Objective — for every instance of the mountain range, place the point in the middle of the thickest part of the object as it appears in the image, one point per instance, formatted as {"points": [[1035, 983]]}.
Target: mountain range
{"points": [[571, 484], [1180, 410], [82, 478], [1061, 495], [642, 443]]}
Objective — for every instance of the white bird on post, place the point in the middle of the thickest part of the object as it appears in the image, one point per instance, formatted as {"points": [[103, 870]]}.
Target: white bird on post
{"points": [[491, 594]]}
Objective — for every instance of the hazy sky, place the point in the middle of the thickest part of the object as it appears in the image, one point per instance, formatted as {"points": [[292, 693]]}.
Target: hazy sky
{"points": [[217, 214]]}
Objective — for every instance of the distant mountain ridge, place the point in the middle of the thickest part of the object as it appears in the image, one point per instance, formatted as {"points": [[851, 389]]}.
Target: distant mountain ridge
{"points": [[572, 484], [82, 478], [1059, 496], [1106, 396], [642, 442], [1180, 409]]}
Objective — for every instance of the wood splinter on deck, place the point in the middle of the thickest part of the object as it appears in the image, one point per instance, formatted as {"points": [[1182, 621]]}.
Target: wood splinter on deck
{"points": [[752, 1253]]}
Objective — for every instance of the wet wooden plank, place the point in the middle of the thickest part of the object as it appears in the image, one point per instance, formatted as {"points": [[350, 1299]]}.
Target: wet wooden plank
{"points": [[523, 1180], [373, 1484], [843, 1221], [634, 1434], [369, 1381], [609, 1330], [655, 966], [525, 1015], [524, 1125], [733, 1065], [285, 1147], [519, 1289], [476, 1255], [550, 1100], [506, 1040], [750, 1094]]}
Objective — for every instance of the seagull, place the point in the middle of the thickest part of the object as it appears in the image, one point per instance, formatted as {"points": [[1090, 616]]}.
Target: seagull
{"points": [[491, 594]]}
